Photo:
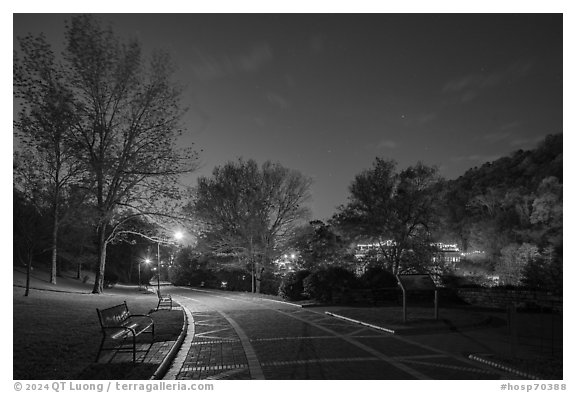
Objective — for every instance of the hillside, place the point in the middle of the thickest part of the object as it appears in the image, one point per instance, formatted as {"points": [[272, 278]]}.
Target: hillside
{"points": [[521, 169]]}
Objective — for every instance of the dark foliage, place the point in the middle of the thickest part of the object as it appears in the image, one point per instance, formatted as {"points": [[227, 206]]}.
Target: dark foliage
{"points": [[377, 277], [111, 278], [319, 246], [516, 199], [231, 280], [387, 204], [519, 169], [321, 284], [270, 284], [292, 285], [544, 273]]}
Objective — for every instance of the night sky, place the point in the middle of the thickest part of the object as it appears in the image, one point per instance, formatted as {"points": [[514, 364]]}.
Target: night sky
{"points": [[327, 93]]}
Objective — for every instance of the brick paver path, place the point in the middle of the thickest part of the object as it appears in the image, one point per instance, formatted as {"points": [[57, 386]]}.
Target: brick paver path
{"points": [[235, 337], [153, 353]]}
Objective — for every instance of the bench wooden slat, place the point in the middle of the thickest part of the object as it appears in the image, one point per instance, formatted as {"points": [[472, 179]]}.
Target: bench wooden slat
{"points": [[118, 324]]}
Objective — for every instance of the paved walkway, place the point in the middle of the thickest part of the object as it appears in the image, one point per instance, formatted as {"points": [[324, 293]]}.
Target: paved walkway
{"points": [[154, 353], [234, 337]]}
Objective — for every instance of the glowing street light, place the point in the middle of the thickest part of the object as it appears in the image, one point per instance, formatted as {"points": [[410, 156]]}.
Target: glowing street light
{"points": [[178, 236], [139, 280]]}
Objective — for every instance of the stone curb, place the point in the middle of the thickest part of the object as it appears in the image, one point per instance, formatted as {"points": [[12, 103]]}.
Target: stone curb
{"points": [[311, 305], [360, 322], [502, 367], [280, 301], [180, 358], [165, 365]]}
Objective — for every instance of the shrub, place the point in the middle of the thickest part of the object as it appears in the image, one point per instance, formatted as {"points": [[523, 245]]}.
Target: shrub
{"points": [[235, 279], [292, 285], [191, 277], [543, 274], [377, 277], [320, 284], [459, 281], [270, 283]]}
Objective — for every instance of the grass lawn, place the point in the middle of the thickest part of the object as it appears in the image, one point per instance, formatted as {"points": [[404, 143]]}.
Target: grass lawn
{"points": [[56, 335]]}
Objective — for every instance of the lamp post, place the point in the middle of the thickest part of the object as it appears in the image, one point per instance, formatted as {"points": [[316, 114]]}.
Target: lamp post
{"points": [[158, 268], [177, 235]]}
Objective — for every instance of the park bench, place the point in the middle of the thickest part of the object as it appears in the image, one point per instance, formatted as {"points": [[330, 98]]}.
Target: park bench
{"points": [[164, 301], [119, 325]]}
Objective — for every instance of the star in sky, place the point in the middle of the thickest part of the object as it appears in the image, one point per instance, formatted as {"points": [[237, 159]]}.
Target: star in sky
{"points": [[327, 93]]}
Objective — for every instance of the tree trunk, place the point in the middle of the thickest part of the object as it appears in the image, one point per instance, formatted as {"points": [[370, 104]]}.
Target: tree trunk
{"points": [[28, 272], [253, 275], [259, 271], [53, 270], [99, 280]]}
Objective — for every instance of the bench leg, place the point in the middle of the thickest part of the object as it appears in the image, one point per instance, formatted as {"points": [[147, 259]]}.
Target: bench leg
{"points": [[133, 348], [100, 349]]}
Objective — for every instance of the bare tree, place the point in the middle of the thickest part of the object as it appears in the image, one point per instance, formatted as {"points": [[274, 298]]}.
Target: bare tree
{"points": [[129, 126], [127, 121], [251, 212], [395, 210]]}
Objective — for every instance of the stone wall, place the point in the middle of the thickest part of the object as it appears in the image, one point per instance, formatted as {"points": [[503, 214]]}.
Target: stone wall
{"points": [[502, 298]]}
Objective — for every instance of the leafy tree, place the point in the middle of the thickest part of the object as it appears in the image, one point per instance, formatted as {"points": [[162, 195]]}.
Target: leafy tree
{"points": [[292, 285], [500, 195], [189, 268], [513, 261], [319, 246], [547, 206], [125, 127], [250, 212], [396, 210], [30, 231], [47, 164], [544, 272]]}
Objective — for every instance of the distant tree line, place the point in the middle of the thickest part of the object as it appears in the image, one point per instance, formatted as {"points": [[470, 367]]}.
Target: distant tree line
{"points": [[97, 173], [506, 215], [512, 210]]}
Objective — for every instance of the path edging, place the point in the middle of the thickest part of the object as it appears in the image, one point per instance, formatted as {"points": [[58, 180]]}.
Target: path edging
{"points": [[502, 367], [391, 331], [165, 365], [220, 293]]}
